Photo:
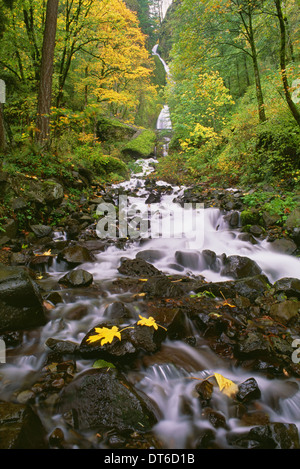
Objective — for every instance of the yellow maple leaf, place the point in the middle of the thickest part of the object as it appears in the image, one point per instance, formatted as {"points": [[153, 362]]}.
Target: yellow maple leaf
{"points": [[105, 334], [227, 386], [149, 322]]}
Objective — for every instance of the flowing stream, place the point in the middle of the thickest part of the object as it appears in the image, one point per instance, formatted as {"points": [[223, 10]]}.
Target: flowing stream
{"points": [[169, 386], [173, 228]]}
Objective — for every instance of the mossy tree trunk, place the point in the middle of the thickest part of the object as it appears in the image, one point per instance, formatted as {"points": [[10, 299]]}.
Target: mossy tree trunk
{"points": [[292, 106]]}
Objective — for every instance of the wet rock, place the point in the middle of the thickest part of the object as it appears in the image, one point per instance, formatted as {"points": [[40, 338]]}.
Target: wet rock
{"points": [[135, 340], [284, 245], [256, 230], [117, 311], [285, 311], [103, 399], [153, 198], [247, 237], [76, 255], [57, 438], [20, 427], [253, 345], [210, 259], [271, 436], [251, 287], [289, 286], [63, 347], [162, 287], [41, 231], [248, 390], [205, 391], [40, 263], [77, 278], [138, 268], [21, 305], [239, 267], [216, 419], [189, 259], [150, 255]]}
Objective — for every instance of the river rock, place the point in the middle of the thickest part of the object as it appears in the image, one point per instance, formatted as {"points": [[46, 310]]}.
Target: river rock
{"points": [[249, 287], [10, 229], [272, 436], [248, 390], [21, 305], [135, 340], [77, 278], [41, 231], [189, 259], [239, 267], [162, 287], [289, 286], [285, 311], [138, 268], [48, 192], [150, 255], [284, 245], [117, 311], [76, 255], [102, 399], [153, 198], [20, 427]]}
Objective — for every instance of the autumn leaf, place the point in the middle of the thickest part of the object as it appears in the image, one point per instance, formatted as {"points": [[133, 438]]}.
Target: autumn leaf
{"points": [[149, 322], [226, 302], [226, 386], [105, 334]]}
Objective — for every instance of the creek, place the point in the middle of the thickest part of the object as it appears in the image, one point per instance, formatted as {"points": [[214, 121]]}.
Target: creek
{"points": [[168, 379], [167, 383]]}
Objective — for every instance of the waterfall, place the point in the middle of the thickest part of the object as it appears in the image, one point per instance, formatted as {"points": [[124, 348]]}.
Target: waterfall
{"points": [[164, 122]]}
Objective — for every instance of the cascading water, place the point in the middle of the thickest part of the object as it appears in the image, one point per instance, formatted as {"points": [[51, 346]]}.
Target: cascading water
{"points": [[164, 122], [169, 385]]}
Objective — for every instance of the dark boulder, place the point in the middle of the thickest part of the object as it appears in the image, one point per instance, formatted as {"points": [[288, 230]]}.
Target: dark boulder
{"points": [[289, 286], [162, 287], [77, 278], [239, 267], [135, 340], [76, 255], [248, 390], [102, 399], [137, 268], [20, 427], [272, 436], [21, 305]]}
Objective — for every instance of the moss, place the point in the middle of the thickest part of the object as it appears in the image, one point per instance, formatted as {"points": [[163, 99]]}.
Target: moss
{"points": [[250, 217], [112, 130], [142, 146]]}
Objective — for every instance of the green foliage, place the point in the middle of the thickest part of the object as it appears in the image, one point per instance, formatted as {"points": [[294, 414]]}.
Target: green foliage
{"points": [[271, 202], [103, 166], [141, 146]]}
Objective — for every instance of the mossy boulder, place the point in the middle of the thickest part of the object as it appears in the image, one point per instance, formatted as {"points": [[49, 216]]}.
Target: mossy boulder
{"points": [[114, 130], [142, 146]]}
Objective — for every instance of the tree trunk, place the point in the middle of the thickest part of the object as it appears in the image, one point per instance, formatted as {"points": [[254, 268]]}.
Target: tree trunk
{"points": [[259, 94], [45, 88], [291, 104]]}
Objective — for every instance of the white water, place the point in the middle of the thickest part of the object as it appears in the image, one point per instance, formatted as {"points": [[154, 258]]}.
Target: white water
{"points": [[171, 384]]}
